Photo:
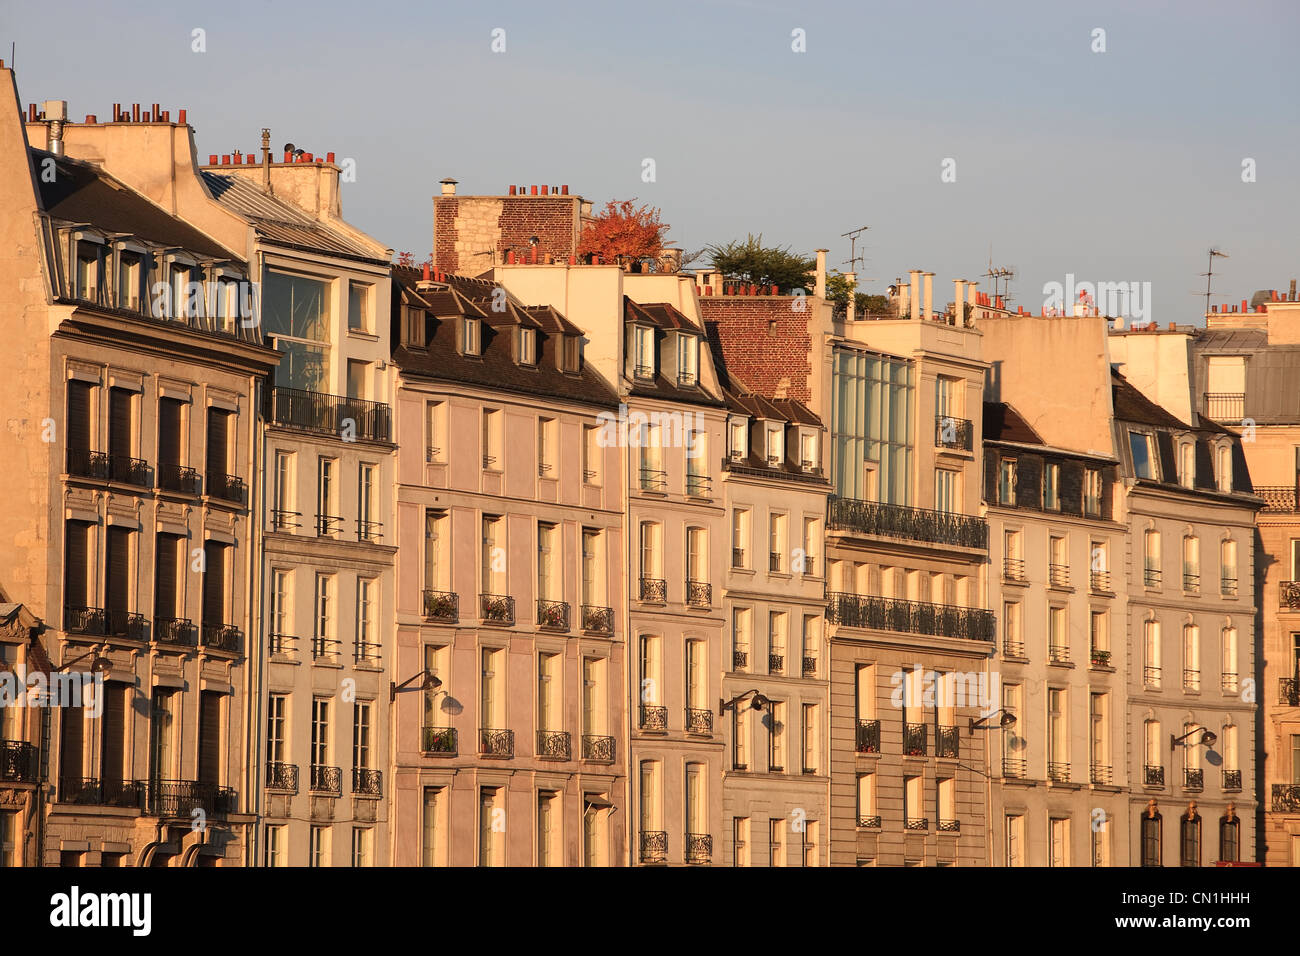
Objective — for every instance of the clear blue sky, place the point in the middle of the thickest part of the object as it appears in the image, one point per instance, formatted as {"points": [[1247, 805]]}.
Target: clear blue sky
{"points": [[1115, 166]]}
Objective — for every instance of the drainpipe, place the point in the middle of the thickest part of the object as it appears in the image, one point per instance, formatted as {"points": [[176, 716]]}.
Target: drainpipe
{"points": [[254, 676], [632, 699]]}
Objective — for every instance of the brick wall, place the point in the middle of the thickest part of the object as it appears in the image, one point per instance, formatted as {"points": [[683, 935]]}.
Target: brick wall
{"points": [[763, 342], [467, 230]]}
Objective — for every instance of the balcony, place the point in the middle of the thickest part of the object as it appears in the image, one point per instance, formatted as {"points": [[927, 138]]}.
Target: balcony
{"points": [[367, 652], [1286, 798], [1100, 775], [809, 567], [1013, 649], [1100, 658], [176, 631], [553, 615], [866, 737], [19, 761], [496, 609], [654, 591], [952, 432], [1225, 407], [1278, 497], [282, 644], [229, 488], [128, 471], [654, 846], [740, 659], [915, 524], [438, 740], [598, 748], [1058, 653], [128, 625], [945, 742], [1228, 585], [1289, 595], [774, 561], [1058, 771], [654, 718], [949, 826], [699, 720], [1013, 569], [442, 606], [598, 620], [325, 648], [554, 745], [1232, 780], [1015, 767], [699, 594], [916, 823], [89, 791], [645, 373], [84, 620], [370, 531], [738, 557], [282, 777], [1151, 676], [652, 479], [1288, 692], [1228, 681], [1193, 779], [1153, 776], [222, 637], [915, 740], [1099, 581], [84, 463], [1151, 576], [869, 823], [286, 522], [1191, 679], [699, 486], [699, 848], [496, 743], [367, 782], [351, 419], [1058, 575], [776, 663], [326, 780], [1191, 581], [809, 668], [179, 799], [912, 617], [179, 479]]}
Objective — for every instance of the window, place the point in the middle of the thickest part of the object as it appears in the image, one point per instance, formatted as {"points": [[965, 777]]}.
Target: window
{"points": [[740, 736], [810, 760], [1052, 487], [651, 553], [594, 704], [1058, 556], [776, 536], [276, 722], [493, 557], [1092, 492], [1191, 563], [548, 828], [776, 631], [1015, 839], [276, 846], [775, 721], [866, 799], [1058, 635], [1151, 654], [549, 692], [1099, 636], [947, 391], [740, 631], [1228, 642], [491, 827], [1228, 747], [528, 347], [1189, 839], [1151, 744], [595, 830], [492, 701], [492, 439], [571, 356], [1007, 482], [644, 351], [1144, 454], [740, 538], [1013, 642], [653, 477], [737, 435], [130, 280], [434, 828], [358, 306], [368, 529], [697, 464], [548, 577], [696, 806], [1058, 738], [437, 543], [1223, 467], [914, 803], [469, 336], [328, 520], [1191, 657], [651, 803], [319, 851], [946, 490], [1230, 838], [361, 735], [593, 573], [809, 460], [811, 539], [363, 846], [697, 686], [1099, 738], [776, 842], [591, 454], [651, 669], [740, 841], [1228, 568], [688, 359], [1187, 464], [320, 733], [697, 558], [283, 517], [1150, 836], [1151, 559], [811, 645], [296, 315], [1101, 844], [435, 432], [775, 445], [810, 843], [323, 642], [1059, 836]]}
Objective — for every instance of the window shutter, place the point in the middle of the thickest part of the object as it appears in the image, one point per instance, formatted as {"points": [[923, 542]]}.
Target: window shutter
{"points": [[209, 769], [74, 589], [1205, 477], [1029, 475], [78, 425], [165, 577], [112, 727], [218, 441], [119, 422], [117, 578], [71, 740], [1071, 490], [1168, 460], [990, 476], [214, 583], [169, 432]]}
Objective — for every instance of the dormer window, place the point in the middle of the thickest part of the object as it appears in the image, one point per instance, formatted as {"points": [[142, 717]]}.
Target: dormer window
{"points": [[644, 356], [1187, 464], [736, 436], [413, 327], [1143, 447], [1223, 467], [89, 270], [187, 293], [688, 359], [527, 346], [469, 336], [571, 354], [130, 279], [775, 446], [808, 451]]}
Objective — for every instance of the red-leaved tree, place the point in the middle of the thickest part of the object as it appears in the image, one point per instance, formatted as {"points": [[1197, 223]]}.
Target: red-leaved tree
{"points": [[622, 229]]}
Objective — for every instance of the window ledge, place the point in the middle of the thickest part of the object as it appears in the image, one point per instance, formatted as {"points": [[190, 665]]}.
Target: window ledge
{"points": [[363, 334]]}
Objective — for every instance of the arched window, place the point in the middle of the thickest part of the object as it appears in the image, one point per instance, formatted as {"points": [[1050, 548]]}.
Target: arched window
{"points": [[1189, 840], [1229, 839], [1150, 831]]}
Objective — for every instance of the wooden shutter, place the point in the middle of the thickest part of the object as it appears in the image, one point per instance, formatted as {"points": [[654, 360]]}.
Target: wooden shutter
{"points": [[218, 441], [112, 727], [71, 739], [119, 422], [78, 424], [214, 583], [169, 432], [74, 583], [209, 738], [165, 577], [117, 569]]}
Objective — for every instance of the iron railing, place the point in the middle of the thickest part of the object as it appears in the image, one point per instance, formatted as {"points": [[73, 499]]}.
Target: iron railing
{"points": [[916, 823], [496, 743], [699, 720], [554, 745], [1099, 580], [227, 487], [1100, 658], [128, 471], [654, 846], [1151, 576], [496, 608], [325, 648], [1228, 585], [1013, 569], [19, 761], [1191, 581], [809, 667], [1278, 497], [441, 606], [1232, 780], [866, 738], [699, 486], [372, 531], [916, 524], [652, 479], [737, 557], [774, 561], [1288, 692], [282, 643], [326, 779], [775, 663], [1191, 679], [869, 823], [282, 520], [699, 594], [1193, 778], [1058, 771], [1289, 595], [128, 624], [1228, 680], [949, 826], [1100, 774], [699, 847], [1226, 407], [597, 620], [598, 747], [1016, 767], [1151, 675], [654, 717], [740, 660], [222, 637], [367, 652], [180, 798], [1058, 575], [338, 415], [328, 525], [84, 463], [945, 741], [84, 620], [952, 432], [1013, 648], [178, 478], [553, 615], [177, 631], [915, 740], [367, 782], [438, 740], [912, 617], [1286, 798], [1153, 776], [654, 591], [1058, 653], [282, 776]]}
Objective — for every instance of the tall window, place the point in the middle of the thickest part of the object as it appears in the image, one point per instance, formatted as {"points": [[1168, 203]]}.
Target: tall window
{"points": [[740, 737], [276, 724], [1187, 464], [696, 806], [358, 306], [491, 827], [740, 538], [776, 542], [651, 666], [775, 721], [740, 841], [1151, 559], [593, 576], [323, 642], [809, 736], [697, 555], [1058, 739], [276, 846], [697, 681], [361, 735], [1052, 487], [776, 842], [368, 645], [434, 830], [1228, 640], [1007, 481], [776, 633], [469, 336], [1151, 745], [1099, 738], [594, 705], [492, 439], [651, 554], [1228, 568], [327, 517], [1015, 839], [548, 828], [1191, 657], [946, 488], [548, 692], [591, 454], [1223, 467], [547, 442], [1092, 492], [651, 805], [1150, 837], [296, 315], [527, 346], [1189, 839], [740, 633], [737, 440], [644, 345], [436, 442], [368, 529], [548, 579], [282, 517], [319, 846], [363, 846], [1059, 835], [1151, 654], [437, 570], [320, 732], [1191, 563], [1230, 839], [688, 358], [493, 556], [492, 702]]}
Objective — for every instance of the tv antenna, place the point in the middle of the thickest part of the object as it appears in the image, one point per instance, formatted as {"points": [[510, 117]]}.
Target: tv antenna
{"points": [[1001, 274], [852, 236], [1209, 274]]}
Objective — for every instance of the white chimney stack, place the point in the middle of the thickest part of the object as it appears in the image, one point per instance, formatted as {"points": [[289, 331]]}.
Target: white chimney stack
{"points": [[449, 187], [853, 295], [820, 289], [929, 295], [915, 294], [958, 300]]}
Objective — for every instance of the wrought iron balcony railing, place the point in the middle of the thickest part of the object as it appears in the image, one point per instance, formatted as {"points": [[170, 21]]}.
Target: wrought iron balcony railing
{"points": [[699, 720], [740, 659], [178, 478], [227, 488], [496, 743], [1013, 648], [125, 624], [916, 524], [653, 479], [1016, 767], [654, 717], [128, 471], [84, 463], [438, 740], [441, 606], [1191, 581], [866, 739], [1058, 575], [1058, 771], [869, 822], [776, 663], [949, 826], [654, 846], [1058, 653], [1151, 577], [19, 761], [180, 798], [597, 620], [1013, 569], [1151, 675], [945, 741], [1288, 692], [737, 557], [913, 617], [654, 591], [1099, 657], [1099, 580], [328, 525], [84, 620], [367, 782], [1278, 497], [285, 521], [1228, 680], [952, 432], [1193, 778], [328, 780], [599, 748], [222, 637], [1232, 780], [554, 745], [553, 615], [809, 667], [1228, 585], [699, 847], [282, 776], [177, 631], [1153, 776], [1289, 594], [1101, 774], [1191, 679], [774, 562], [915, 740], [325, 648], [372, 531], [1226, 407], [699, 486], [496, 608], [345, 418], [699, 594], [916, 823], [367, 652], [1286, 798]]}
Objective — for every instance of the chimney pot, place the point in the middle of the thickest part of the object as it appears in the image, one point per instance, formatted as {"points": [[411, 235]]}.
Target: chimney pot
{"points": [[534, 190], [135, 112], [426, 272], [225, 159], [180, 118], [573, 260], [512, 190], [91, 119], [288, 156], [510, 257], [544, 190], [212, 159], [1243, 305], [329, 157], [564, 190]]}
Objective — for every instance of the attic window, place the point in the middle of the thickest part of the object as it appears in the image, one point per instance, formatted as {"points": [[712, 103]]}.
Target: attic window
{"points": [[644, 366], [1144, 454], [736, 441], [1223, 466], [572, 354], [808, 459], [775, 445], [1187, 464], [413, 331], [528, 347], [469, 342], [688, 359], [90, 271]]}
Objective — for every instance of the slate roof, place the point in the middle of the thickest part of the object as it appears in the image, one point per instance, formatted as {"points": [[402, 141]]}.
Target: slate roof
{"points": [[1132, 406], [1003, 423]]}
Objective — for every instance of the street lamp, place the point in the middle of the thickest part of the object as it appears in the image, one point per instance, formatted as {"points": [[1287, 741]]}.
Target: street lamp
{"points": [[431, 682], [100, 664], [1006, 722], [1208, 737], [758, 703]]}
